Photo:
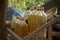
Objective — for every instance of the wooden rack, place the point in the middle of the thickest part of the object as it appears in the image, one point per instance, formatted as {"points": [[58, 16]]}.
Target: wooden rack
{"points": [[13, 36], [48, 25]]}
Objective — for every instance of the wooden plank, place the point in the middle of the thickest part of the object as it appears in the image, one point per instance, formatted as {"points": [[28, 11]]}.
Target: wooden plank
{"points": [[13, 34], [3, 6], [55, 33], [50, 32]]}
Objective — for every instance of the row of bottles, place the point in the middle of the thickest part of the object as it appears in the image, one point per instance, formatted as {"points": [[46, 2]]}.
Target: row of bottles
{"points": [[35, 19]]}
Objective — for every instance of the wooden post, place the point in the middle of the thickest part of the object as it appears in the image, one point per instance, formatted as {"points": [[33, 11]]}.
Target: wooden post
{"points": [[3, 32], [50, 32]]}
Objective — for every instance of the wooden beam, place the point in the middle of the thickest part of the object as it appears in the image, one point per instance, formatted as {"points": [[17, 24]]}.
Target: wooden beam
{"points": [[55, 33], [3, 6], [50, 32]]}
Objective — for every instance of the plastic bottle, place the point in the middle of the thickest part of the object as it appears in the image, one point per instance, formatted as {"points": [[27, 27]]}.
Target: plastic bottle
{"points": [[42, 34], [34, 20], [20, 27]]}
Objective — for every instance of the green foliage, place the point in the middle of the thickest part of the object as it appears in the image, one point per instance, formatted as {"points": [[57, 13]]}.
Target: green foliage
{"points": [[23, 4]]}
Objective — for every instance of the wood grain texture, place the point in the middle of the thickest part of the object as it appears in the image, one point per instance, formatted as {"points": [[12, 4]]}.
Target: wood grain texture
{"points": [[3, 6]]}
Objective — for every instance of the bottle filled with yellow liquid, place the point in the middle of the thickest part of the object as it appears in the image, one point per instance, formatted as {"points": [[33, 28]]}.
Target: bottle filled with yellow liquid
{"points": [[21, 28], [42, 34], [34, 20]]}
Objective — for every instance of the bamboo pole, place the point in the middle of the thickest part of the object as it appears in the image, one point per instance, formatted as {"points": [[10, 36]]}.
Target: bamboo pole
{"points": [[3, 32]]}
